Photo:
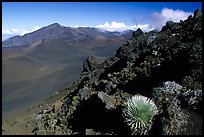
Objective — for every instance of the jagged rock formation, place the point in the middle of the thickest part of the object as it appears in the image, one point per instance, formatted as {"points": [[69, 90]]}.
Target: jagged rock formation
{"points": [[164, 66], [92, 63]]}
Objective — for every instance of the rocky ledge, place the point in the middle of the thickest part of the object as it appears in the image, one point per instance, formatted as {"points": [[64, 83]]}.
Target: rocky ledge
{"points": [[164, 66]]}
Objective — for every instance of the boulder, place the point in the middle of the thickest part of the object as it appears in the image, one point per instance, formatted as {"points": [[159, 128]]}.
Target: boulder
{"points": [[90, 132], [108, 100], [170, 25], [84, 93], [92, 62]]}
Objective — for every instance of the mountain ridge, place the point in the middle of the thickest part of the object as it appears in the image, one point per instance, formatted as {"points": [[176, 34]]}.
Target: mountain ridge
{"points": [[57, 31]]}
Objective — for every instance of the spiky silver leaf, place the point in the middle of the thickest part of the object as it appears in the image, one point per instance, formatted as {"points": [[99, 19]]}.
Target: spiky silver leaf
{"points": [[139, 112]]}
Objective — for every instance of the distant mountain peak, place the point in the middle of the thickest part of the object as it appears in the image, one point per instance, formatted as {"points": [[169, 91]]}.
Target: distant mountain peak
{"points": [[57, 31], [54, 25]]}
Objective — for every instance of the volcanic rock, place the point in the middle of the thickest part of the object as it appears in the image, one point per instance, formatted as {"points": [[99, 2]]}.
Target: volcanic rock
{"points": [[165, 66]]}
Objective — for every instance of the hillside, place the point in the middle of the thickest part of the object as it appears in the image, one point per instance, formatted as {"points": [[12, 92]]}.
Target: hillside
{"points": [[45, 57], [35, 72], [164, 66], [69, 34]]}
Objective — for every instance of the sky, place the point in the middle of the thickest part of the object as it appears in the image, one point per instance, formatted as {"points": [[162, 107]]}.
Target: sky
{"points": [[19, 18]]}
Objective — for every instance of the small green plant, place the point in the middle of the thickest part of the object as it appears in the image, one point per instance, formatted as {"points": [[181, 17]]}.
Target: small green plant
{"points": [[75, 99], [138, 113]]}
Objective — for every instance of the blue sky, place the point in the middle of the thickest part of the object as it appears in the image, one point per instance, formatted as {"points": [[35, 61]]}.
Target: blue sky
{"points": [[27, 16]]}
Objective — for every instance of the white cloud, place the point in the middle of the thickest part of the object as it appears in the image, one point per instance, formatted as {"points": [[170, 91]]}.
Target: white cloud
{"points": [[77, 26], [113, 26], [159, 20], [7, 33], [6, 36], [120, 26], [167, 14]]}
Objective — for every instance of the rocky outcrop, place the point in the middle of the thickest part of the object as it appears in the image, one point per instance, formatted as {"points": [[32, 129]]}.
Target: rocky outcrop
{"points": [[92, 63], [137, 33], [164, 66]]}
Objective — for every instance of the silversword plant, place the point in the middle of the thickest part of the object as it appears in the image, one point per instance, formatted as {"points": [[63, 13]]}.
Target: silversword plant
{"points": [[138, 113]]}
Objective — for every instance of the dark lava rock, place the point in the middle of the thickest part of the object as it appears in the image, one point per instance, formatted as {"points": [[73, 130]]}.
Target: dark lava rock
{"points": [[92, 62], [166, 99], [137, 33], [193, 99], [90, 132], [108, 100], [197, 13], [164, 66], [84, 93], [151, 39], [171, 26]]}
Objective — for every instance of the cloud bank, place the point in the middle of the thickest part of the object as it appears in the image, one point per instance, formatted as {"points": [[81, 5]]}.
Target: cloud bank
{"points": [[7, 33], [160, 19], [120, 26]]}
